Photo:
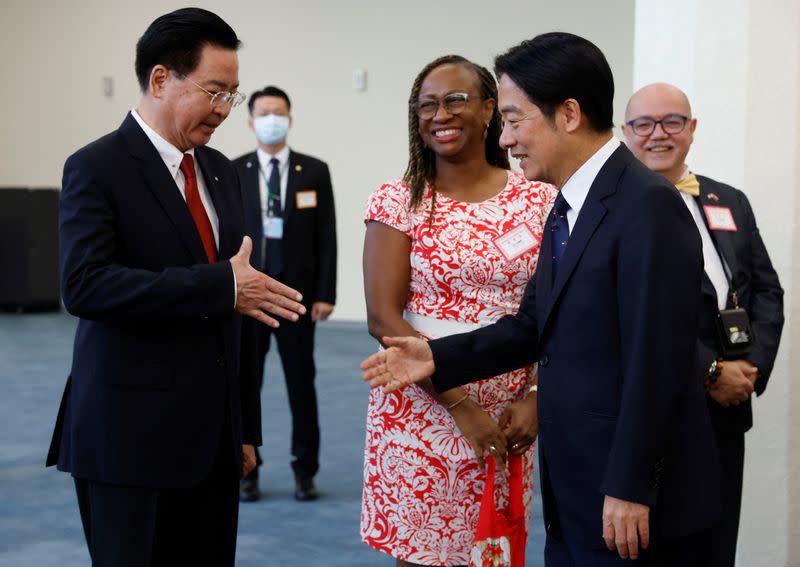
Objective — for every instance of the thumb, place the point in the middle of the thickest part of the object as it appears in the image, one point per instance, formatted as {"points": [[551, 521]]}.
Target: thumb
{"points": [[245, 249], [505, 418], [395, 341]]}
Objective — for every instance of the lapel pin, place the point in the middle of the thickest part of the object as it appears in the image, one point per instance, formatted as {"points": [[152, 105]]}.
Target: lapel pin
{"points": [[298, 168], [713, 197], [248, 164]]}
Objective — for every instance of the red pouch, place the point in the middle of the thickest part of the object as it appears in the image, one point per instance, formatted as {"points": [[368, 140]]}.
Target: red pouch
{"points": [[501, 537]]}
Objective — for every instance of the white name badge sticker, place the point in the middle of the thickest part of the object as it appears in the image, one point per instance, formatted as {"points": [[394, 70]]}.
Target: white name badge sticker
{"points": [[306, 199], [273, 227], [515, 242], [720, 218]]}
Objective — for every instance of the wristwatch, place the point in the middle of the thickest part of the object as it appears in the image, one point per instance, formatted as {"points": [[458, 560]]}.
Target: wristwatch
{"points": [[713, 373]]}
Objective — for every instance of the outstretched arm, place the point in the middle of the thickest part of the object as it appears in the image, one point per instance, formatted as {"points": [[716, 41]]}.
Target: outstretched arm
{"points": [[406, 361]]}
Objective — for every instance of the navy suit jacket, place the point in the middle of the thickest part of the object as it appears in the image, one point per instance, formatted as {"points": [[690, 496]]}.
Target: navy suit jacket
{"points": [[160, 354], [620, 412], [309, 234], [758, 290]]}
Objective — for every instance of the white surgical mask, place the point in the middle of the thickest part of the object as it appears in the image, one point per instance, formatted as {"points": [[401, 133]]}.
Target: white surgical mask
{"points": [[271, 129]]}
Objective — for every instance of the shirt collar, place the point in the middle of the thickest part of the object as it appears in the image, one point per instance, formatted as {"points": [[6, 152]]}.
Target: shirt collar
{"points": [[171, 155], [264, 158], [577, 187]]}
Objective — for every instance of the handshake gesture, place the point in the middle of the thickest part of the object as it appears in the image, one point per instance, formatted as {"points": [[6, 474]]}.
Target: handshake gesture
{"points": [[406, 361], [258, 294]]}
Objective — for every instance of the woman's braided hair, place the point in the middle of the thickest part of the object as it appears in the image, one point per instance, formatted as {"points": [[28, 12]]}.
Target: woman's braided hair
{"points": [[421, 159]]}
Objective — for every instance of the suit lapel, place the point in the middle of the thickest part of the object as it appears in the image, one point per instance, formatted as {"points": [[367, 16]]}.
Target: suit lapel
{"points": [[216, 186], [589, 218], [161, 183], [249, 178], [723, 240], [292, 184], [544, 266], [707, 288]]}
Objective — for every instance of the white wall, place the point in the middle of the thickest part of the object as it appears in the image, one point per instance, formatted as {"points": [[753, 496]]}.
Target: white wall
{"points": [[739, 63], [56, 52]]}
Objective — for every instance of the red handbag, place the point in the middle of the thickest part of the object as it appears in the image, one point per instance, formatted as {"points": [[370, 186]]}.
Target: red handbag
{"points": [[501, 537]]}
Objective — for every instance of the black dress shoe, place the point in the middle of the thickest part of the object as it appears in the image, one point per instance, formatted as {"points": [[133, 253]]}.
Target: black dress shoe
{"points": [[304, 490], [248, 490]]}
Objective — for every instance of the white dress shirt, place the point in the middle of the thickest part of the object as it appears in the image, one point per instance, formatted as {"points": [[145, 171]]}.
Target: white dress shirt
{"points": [[712, 261], [577, 186], [265, 170], [173, 157]]}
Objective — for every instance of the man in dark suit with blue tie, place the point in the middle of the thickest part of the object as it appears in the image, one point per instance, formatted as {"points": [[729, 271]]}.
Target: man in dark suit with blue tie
{"points": [[161, 411], [289, 214], [659, 128], [627, 460]]}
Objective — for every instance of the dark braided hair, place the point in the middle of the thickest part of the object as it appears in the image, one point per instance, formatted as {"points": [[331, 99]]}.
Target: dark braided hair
{"points": [[421, 159]]}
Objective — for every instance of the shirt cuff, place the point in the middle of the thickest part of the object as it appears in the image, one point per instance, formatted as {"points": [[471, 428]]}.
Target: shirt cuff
{"points": [[234, 286]]}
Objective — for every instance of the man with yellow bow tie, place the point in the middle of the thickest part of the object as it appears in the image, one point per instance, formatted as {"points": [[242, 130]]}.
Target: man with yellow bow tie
{"points": [[659, 129]]}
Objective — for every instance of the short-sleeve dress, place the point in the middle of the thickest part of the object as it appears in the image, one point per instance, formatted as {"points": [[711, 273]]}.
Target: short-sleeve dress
{"points": [[422, 482]]}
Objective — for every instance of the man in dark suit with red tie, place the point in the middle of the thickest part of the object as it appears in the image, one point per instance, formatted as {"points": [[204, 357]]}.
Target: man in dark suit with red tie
{"points": [[289, 213], [659, 128], [161, 410], [626, 453]]}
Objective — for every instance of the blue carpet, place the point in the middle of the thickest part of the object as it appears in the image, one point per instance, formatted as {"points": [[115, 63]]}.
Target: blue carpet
{"points": [[39, 521]]}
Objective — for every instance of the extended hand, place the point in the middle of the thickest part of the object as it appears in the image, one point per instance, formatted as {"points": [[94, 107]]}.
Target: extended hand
{"points": [[321, 310], [407, 360], [626, 525], [258, 294], [248, 459], [520, 424], [482, 432], [735, 383]]}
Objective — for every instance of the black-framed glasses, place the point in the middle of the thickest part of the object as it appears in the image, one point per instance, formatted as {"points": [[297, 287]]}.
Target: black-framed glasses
{"points": [[221, 98], [671, 124], [453, 104]]}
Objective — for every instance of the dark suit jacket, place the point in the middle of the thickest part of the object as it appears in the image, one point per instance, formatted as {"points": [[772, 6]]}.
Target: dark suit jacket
{"points": [[620, 412], [759, 293], [159, 350], [309, 234]]}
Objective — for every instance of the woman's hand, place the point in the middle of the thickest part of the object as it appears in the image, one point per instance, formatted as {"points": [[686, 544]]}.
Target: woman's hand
{"points": [[481, 430], [520, 424]]}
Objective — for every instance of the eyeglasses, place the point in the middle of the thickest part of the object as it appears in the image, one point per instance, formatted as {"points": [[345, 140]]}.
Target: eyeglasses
{"points": [[453, 104], [221, 98], [671, 124]]}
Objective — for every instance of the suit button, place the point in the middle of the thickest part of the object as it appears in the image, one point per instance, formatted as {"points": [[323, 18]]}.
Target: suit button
{"points": [[544, 360], [220, 362]]}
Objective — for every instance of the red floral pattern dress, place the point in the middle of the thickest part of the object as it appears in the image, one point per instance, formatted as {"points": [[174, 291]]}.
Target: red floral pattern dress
{"points": [[422, 483]]}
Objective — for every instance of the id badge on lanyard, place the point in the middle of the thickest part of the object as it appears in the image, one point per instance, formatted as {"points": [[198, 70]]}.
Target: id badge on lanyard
{"points": [[273, 227], [272, 223]]}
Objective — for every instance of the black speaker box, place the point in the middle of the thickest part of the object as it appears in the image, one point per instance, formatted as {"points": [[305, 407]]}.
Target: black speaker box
{"points": [[29, 250]]}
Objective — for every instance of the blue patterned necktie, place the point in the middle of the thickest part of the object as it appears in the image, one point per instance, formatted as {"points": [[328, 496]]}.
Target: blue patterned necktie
{"points": [[559, 231]]}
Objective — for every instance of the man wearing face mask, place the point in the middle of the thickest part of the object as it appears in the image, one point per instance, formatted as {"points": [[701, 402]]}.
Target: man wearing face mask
{"points": [[289, 213]]}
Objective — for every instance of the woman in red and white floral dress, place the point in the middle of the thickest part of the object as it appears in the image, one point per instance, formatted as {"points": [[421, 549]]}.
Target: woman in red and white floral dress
{"points": [[448, 248]]}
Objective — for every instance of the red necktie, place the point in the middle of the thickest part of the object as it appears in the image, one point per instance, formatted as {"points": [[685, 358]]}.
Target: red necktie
{"points": [[196, 208]]}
